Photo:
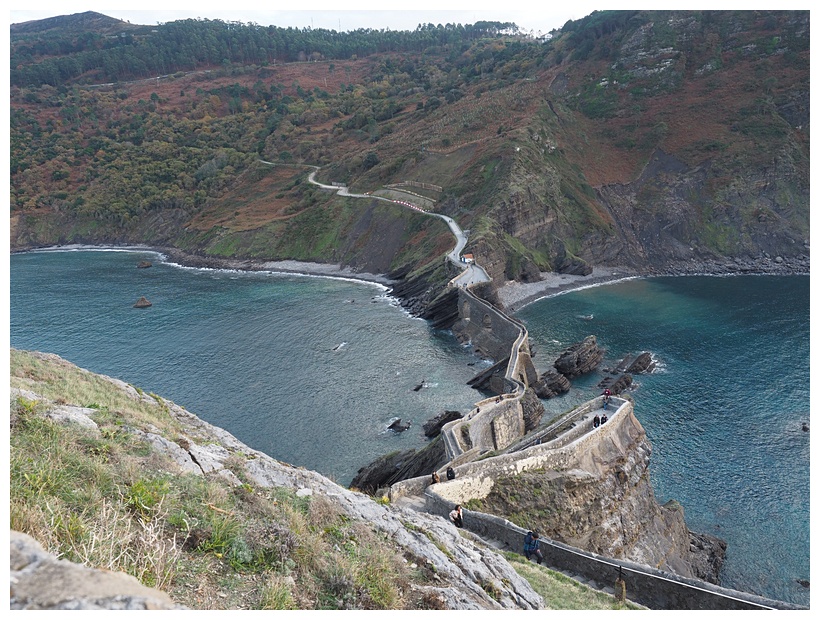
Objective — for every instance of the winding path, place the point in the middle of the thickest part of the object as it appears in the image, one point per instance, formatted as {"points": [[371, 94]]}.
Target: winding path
{"points": [[471, 273]]}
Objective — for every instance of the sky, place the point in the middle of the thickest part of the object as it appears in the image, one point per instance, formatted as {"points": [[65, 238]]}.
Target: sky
{"points": [[533, 16], [326, 14]]}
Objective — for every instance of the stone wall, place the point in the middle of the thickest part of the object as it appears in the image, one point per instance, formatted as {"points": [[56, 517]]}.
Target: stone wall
{"points": [[644, 585], [491, 332]]}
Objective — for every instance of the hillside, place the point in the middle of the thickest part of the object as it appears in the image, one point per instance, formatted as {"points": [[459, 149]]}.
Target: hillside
{"points": [[107, 476], [660, 140]]}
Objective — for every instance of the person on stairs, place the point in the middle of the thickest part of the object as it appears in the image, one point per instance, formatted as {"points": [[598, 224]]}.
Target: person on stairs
{"points": [[531, 548]]}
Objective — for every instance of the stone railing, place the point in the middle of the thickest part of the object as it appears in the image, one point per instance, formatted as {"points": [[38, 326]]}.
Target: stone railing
{"points": [[644, 585]]}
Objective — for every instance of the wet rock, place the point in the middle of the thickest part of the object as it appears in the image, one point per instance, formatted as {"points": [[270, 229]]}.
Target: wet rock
{"points": [[144, 264], [580, 358], [551, 384], [708, 555], [642, 363], [143, 303], [620, 384], [399, 426], [433, 426]]}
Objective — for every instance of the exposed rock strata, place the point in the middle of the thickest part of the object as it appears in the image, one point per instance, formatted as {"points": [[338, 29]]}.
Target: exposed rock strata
{"points": [[432, 427], [551, 383], [391, 468], [642, 363], [580, 358], [533, 410], [602, 501], [463, 566]]}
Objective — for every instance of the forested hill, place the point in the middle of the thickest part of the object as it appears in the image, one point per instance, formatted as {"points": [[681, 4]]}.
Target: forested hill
{"points": [[91, 48], [641, 138]]}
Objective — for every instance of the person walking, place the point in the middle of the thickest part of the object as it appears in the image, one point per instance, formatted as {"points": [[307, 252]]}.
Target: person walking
{"points": [[456, 516], [531, 548]]}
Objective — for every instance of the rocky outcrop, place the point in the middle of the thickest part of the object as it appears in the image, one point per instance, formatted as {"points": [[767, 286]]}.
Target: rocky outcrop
{"points": [[580, 358], [432, 427], [464, 572], [142, 303], [642, 363], [398, 426], [618, 385], [40, 581], [708, 555], [391, 468], [572, 265], [532, 409], [143, 264], [551, 383], [601, 500]]}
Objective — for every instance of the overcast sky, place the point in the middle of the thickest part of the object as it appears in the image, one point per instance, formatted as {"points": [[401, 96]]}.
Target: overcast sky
{"points": [[530, 15]]}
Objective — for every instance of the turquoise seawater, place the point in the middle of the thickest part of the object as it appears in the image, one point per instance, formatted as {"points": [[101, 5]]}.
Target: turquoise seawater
{"points": [[308, 370], [724, 410], [312, 370]]}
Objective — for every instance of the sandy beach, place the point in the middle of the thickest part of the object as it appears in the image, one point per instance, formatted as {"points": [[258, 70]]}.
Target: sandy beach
{"points": [[516, 295]]}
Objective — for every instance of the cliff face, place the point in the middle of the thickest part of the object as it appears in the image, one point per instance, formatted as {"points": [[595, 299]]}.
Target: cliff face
{"points": [[602, 501]]}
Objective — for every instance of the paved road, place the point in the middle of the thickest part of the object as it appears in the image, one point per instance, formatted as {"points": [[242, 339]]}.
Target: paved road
{"points": [[471, 273]]}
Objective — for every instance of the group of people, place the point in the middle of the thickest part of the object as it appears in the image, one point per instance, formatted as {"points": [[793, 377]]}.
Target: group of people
{"points": [[598, 420], [451, 474], [531, 547]]}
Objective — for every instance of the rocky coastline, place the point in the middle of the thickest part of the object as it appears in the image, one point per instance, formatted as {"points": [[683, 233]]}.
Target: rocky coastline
{"points": [[513, 295]]}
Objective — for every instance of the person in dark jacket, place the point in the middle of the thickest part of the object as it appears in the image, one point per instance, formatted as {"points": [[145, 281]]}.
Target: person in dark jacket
{"points": [[451, 473], [531, 548]]}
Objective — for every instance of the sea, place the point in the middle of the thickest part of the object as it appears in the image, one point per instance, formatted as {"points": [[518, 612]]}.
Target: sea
{"points": [[312, 370]]}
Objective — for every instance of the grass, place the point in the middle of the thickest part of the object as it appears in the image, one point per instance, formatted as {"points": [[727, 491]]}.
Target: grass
{"points": [[562, 592], [104, 498]]}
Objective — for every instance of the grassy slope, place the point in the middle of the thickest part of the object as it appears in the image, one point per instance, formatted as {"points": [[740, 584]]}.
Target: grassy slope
{"points": [[108, 500]]}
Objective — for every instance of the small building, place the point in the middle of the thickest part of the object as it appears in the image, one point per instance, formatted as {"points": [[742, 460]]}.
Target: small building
{"points": [[467, 258]]}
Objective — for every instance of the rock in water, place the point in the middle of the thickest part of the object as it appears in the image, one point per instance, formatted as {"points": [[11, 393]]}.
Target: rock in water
{"points": [[399, 426], [142, 303], [642, 363], [144, 264], [580, 358], [550, 384]]}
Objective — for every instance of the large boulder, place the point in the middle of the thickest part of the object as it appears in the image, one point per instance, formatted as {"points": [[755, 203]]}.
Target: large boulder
{"points": [[708, 555], [550, 384], [642, 363], [580, 358], [620, 384], [40, 581]]}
